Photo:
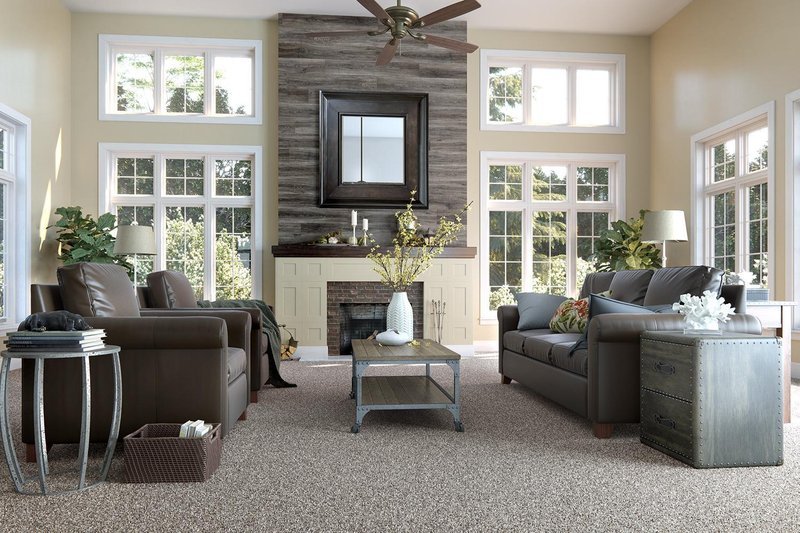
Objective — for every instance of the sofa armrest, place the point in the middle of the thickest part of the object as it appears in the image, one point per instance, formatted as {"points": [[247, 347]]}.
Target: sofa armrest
{"points": [[239, 323], [157, 333], [615, 327], [507, 320]]}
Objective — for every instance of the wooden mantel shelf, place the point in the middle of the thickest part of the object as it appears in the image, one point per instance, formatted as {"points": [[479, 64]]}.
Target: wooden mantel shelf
{"points": [[343, 250]]}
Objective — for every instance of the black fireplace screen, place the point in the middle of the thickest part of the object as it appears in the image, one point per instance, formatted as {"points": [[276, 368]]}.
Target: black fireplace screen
{"points": [[359, 321]]}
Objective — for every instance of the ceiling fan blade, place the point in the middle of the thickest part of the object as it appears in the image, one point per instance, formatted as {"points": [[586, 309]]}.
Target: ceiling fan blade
{"points": [[452, 44], [447, 13], [375, 8], [387, 53], [335, 33]]}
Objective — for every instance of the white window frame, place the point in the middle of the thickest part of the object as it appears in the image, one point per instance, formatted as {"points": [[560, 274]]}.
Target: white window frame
{"points": [[108, 199], [18, 208], [792, 224], [615, 63], [703, 192], [109, 45], [616, 204]]}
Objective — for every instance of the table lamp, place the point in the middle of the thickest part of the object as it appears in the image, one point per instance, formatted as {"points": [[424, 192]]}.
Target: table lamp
{"points": [[663, 226], [135, 239]]}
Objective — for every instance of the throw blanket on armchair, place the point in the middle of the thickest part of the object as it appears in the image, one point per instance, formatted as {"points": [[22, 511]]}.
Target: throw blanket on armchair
{"points": [[269, 324]]}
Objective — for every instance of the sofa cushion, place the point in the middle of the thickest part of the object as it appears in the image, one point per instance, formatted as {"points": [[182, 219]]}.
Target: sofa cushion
{"points": [[668, 284], [514, 339], [97, 289], [630, 285], [540, 347], [570, 316], [170, 289], [596, 282], [237, 363], [536, 309], [576, 362], [602, 305]]}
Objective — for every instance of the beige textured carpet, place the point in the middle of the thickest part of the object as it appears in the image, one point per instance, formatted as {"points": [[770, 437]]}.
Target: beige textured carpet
{"points": [[523, 464]]}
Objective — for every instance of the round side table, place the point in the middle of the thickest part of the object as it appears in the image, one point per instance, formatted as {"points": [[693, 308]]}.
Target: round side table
{"points": [[38, 405]]}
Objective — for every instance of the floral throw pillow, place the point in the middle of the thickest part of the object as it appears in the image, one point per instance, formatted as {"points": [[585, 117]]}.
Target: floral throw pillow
{"points": [[570, 316]]}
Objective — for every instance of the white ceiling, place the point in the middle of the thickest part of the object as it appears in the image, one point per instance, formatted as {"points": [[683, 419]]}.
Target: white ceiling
{"points": [[627, 17]]}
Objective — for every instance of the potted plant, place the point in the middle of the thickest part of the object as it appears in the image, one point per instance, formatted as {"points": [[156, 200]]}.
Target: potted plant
{"points": [[84, 240], [621, 248], [409, 255]]}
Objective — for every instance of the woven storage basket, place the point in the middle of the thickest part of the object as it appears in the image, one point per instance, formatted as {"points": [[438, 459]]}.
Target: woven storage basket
{"points": [[155, 454]]}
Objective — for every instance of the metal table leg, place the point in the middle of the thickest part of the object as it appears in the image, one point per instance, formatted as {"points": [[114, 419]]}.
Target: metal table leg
{"points": [[114, 433], [86, 407], [5, 433], [39, 436], [358, 375], [456, 409]]}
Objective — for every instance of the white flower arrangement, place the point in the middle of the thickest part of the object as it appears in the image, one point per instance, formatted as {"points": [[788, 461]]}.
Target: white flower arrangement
{"points": [[703, 312], [740, 278]]}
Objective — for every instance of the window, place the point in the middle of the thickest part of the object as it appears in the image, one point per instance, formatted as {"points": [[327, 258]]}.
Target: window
{"points": [[203, 203], [14, 216], [173, 79], [734, 204], [541, 216], [792, 222], [552, 91]]}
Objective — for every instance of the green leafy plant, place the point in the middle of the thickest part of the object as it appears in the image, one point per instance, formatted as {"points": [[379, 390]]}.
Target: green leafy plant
{"points": [[84, 240], [412, 252], [621, 248]]}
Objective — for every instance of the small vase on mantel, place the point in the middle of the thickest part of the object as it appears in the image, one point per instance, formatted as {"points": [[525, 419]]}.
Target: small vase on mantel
{"points": [[400, 315]]}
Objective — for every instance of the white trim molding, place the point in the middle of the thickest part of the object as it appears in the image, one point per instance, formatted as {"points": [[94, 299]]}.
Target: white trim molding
{"points": [[159, 47], [792, 225], [572, 62]]}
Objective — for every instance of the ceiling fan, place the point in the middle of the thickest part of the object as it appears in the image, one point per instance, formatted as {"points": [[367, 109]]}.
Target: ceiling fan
{"points": [[401, 21]]}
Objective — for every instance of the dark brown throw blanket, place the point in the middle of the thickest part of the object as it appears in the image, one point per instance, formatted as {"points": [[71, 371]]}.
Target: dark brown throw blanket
{"points": [[270, 328]]}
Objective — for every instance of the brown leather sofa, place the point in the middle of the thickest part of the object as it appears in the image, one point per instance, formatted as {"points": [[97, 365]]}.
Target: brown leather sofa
{"points": [[174, 368], [601, 382], [169, 289]]}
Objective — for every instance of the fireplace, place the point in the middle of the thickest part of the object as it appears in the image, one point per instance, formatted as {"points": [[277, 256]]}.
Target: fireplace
{"points": [[365, 302]]}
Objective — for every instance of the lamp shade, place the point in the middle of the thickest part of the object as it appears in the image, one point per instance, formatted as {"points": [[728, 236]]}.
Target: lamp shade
{"points": [[135, 240], [660, 226]]}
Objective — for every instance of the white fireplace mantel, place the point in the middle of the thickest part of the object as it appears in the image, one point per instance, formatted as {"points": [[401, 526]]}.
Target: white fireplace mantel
{"points": [[301, 295]]}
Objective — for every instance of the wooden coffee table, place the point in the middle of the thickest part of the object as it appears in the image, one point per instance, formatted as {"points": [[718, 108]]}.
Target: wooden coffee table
{"points": [[404, 392]]}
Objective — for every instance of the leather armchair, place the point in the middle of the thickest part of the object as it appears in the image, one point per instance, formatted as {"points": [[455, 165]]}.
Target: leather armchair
{"points": [[173, 368], [169, 291]]}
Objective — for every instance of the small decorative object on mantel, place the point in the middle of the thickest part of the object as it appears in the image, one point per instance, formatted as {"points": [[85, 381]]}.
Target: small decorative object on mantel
{"points": [[407, 258], [703, 314], [438, 312]]}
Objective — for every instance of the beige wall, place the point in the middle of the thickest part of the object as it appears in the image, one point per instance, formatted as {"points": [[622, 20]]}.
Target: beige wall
{"points": [[88, 131], [634, 144], [34, 80], [715, 60]]}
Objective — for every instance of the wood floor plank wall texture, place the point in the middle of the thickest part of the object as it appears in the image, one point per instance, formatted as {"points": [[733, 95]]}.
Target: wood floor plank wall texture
{"points": [[307, 65]]}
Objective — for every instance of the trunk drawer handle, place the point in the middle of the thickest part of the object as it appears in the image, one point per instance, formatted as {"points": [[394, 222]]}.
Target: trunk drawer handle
{"points": [[664, 421], [664, 368]]}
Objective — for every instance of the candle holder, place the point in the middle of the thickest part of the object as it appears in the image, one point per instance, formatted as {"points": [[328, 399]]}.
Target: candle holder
{"points": [[353, 240], [366, 238]]}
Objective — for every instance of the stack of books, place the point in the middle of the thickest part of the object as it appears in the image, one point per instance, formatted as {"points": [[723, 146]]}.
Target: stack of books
{"points": [[194, 428], [55, 341]]}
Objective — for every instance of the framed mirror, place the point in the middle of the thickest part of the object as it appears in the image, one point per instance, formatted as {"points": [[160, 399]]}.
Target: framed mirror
{"points": [[373, 149]]}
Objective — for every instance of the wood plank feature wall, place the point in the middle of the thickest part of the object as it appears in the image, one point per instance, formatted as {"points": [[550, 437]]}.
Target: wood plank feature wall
{"points": [[307, 65]]}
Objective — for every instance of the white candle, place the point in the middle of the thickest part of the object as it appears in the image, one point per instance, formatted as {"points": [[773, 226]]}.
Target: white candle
{"points": [[354, 218], [365, 224]]}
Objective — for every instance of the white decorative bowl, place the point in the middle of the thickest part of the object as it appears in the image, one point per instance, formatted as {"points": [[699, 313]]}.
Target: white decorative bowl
{"points": [[392, 337]]}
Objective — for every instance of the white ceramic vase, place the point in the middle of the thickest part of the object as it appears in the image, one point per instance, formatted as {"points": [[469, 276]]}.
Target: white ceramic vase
{"points": [[400, 316]]}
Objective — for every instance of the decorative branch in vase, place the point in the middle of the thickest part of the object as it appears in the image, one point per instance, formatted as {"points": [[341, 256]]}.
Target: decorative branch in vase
{"points": [[409, 255], [438, 312]]}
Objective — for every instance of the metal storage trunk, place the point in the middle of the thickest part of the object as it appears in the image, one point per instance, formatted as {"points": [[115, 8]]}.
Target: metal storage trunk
{"points": [[712, 400]]}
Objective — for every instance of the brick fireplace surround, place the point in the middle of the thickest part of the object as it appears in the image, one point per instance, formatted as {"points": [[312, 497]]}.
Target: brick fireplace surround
{"points": [[366, 292]]}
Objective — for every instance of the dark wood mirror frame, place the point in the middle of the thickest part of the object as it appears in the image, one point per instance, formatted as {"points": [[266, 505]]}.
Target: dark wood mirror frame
{"points": [[413, 107]]}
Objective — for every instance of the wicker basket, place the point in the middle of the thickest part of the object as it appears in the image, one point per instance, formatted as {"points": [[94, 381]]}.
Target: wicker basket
{"points": [[155, 454]]}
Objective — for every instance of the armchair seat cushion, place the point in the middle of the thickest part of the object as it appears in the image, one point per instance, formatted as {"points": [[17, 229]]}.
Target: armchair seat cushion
{"points": [[237, 363]]}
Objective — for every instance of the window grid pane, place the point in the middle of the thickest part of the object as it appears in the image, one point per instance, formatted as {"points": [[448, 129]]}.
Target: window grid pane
{"points": [[505, 94], [233, 85], [135, 175], [593, 97], [505, 257], [505, 182], [232, 258], [184, 177], [593, 184], [549, 104], [134, 82], [757, 142], [233, 177], [724, 231], [549, 258], [185, 244], [590, 224], [757, 248], [723, 160], [185, 83], [549, 183]]}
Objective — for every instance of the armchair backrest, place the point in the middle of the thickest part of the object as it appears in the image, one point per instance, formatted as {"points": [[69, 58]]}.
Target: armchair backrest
{"points": [[45, 298], [168, 289], [97, 289]]}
